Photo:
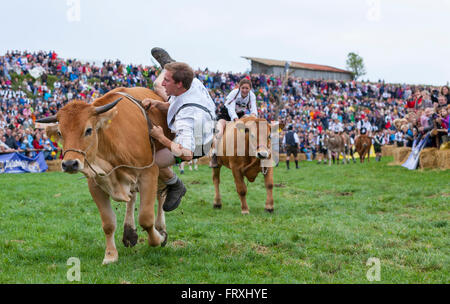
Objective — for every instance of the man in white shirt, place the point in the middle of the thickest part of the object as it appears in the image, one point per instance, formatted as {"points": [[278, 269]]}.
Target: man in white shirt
{"points": [[190, 115], [364, 126], [336, 126]]}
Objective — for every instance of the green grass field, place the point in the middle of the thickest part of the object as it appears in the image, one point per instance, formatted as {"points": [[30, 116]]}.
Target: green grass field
{"points": [[328, 222]]}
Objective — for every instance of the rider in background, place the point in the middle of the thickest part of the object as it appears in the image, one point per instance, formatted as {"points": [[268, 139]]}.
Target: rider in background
{"points": [[237, 104]]}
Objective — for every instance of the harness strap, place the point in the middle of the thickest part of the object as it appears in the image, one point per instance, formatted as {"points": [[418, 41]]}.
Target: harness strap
{"points": [[235, 97], [139, 104], [191, 105]]}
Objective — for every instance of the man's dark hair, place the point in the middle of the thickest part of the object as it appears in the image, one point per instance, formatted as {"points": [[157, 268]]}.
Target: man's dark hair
{"points": [[181, 72]]}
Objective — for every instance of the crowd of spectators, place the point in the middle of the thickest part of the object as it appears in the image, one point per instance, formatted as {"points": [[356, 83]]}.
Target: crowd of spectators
{"points": [[313, 106], [38, 84]]}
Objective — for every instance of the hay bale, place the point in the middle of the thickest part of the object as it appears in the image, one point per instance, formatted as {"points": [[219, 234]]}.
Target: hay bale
{"points": [[204, 160], [428, 158], [443, 159], [387, 150], [300, 156], [445, 146], [54, 165], [401, 154]]}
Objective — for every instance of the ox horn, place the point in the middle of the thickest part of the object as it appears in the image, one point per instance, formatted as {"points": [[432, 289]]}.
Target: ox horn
{"points": [[107, 107], [49, 119]]}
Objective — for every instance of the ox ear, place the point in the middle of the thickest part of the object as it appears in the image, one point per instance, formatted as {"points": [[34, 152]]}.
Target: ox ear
{"points": [[104, 119], [53, 133]]}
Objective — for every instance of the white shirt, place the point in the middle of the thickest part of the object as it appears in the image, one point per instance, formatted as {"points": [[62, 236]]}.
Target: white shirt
{"points": [[235, 103], [193, 126], [364, 124], [337, 127]]}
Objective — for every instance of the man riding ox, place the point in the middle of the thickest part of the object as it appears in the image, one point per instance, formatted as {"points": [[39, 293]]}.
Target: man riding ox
{"points": [[191, 116], [108, 141], [336, 143], [245, 148]]}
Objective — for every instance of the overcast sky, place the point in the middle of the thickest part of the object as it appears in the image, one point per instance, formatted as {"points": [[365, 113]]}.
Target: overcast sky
{"points": [[401, 41]]}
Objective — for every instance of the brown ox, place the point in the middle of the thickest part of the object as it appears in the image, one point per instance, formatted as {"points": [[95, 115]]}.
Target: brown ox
{"points": [[336, 143], [100, 136], [363, 143], [245, 159]]}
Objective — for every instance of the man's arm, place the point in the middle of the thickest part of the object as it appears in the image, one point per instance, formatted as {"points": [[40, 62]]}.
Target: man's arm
{"points": [[160, 105], [253, 109], [184, 143], [177, 149], [230, 104]]}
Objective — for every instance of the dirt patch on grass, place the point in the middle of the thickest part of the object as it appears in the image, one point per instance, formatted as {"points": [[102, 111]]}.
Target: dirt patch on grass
{"points": [[17, 241], [178, 244], [339, 193], [234, 248], [439, 195], [344, 193], [280, 185], [261, 249], [299, 262]]}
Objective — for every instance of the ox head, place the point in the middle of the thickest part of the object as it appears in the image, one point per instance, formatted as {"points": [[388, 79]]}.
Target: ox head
{"points": [[259, 136], [77, 129]]}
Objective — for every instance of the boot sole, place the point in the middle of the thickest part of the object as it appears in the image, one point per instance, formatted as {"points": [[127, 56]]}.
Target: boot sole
{"points": [[175, 206]]}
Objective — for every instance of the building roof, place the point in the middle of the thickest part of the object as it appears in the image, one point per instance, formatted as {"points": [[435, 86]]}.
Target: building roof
{"points": [[297, 65]]}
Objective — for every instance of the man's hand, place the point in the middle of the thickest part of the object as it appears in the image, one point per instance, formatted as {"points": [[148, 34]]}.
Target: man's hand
{"points": [[148, 103], [157, 133]]}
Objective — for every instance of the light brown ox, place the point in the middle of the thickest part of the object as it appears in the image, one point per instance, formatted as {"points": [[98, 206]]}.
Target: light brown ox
{"points": [[240, 160], [336, 143], [363, 143], [105, 140]]}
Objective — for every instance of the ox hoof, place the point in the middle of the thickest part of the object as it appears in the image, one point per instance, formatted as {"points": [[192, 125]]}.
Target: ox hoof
{"points": [[110, 258], [269, 210], [245, 212], [166, 236], [130, 237], [217, 206], [109, 261]]}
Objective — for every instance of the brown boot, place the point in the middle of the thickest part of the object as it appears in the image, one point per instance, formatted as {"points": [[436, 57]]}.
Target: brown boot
{"points": [[175, 193], [161, 56]]}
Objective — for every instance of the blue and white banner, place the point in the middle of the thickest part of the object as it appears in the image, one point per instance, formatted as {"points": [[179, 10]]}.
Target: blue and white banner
{"points": [[17, 163]]}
